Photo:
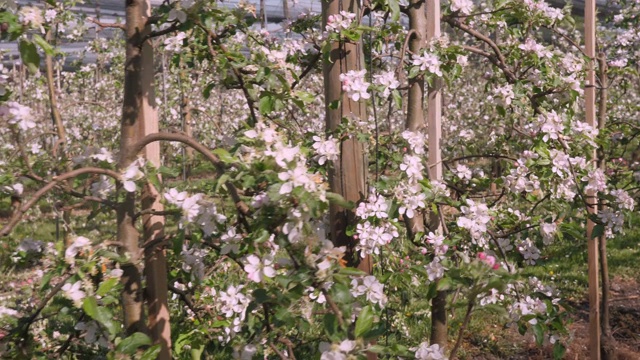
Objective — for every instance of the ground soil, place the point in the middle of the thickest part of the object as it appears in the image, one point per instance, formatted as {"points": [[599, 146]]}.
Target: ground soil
{"points": [[625, 324]]}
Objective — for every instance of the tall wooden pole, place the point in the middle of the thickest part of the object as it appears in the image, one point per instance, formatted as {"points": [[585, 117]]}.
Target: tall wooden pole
{"points": [[347, 175], [439, 329], [592, 243], [415, 102]]}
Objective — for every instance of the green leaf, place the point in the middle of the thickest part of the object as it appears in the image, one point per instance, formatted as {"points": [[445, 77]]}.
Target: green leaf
{"points": [[29, 55], [598, 231], [267, 104], [364, 322], [261, 296], [90, 306], [330, 322], [44, 44], [559, 350], [106, 286], [100, 314], [207, 90], [224, 155], [337, 199], [131, 344], [394, 6], [341, 293], [151, 353], [538, 331], [349, 271]]}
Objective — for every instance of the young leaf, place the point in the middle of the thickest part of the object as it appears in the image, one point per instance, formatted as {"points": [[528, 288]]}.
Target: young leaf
{"points": [[131, 344], [364, 322]]}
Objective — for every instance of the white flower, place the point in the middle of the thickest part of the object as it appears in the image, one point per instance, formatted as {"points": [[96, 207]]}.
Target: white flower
{"points": [[18, 115], [173, 196], [354, 85], [32, 17], [328, 149], [464, 6], [463, 172], [74, 293], [428, 62], [175, 43], [371, 288], [131, 175], [412, 166], [78, 244], [430, 352], [337, 22], [416, 141], [5, 311], [256, 269], [387, 80]]}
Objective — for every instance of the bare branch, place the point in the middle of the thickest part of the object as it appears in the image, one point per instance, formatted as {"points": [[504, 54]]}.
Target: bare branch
{"points": [[106, 25]]}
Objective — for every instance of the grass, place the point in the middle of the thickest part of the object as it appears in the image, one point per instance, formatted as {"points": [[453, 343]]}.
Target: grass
{"points": [[565, 262]]}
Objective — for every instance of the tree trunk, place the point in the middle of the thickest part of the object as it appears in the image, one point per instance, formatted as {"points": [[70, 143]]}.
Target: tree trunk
{"points": [[592, 243], [135, 96], [60, 130], [607, 342]]}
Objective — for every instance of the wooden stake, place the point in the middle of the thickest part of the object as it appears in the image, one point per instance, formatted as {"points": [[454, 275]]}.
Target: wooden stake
{"points": [[592, 243], [439, 328]]}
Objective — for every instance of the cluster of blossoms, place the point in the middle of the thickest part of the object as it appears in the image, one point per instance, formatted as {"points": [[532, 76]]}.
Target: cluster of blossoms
{"points": [[371, 288], [233, 304], [542, 7], [340, 351], [196, 209], [17, 114], [529, 251], [339, 22], [328, 150], [427, 62], [132, 174], [530, 45], [369, 235], [520, 179], [32, 16], [506, 93], [475, 219], [387, 80], [193, 261], [463, 6], [174, 43], [430, 352], [354, 84]]}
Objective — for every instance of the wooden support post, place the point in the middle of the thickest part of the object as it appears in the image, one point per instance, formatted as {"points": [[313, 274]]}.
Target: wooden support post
{"points": [[439, 329], [592, 243]]}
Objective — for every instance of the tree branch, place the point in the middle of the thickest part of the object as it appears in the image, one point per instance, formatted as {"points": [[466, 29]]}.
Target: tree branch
{"points": [[17, 215], [106, 25]]}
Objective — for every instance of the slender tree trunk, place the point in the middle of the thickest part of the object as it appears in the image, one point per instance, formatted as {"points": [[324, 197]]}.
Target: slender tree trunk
{"points": [[607, 343], [132, 115], [60, 130], [592, 243], [188, 130], [285, 10]]}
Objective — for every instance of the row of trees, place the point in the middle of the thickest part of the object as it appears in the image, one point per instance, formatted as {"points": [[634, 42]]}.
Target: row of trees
{"points": [[322, 222]]}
